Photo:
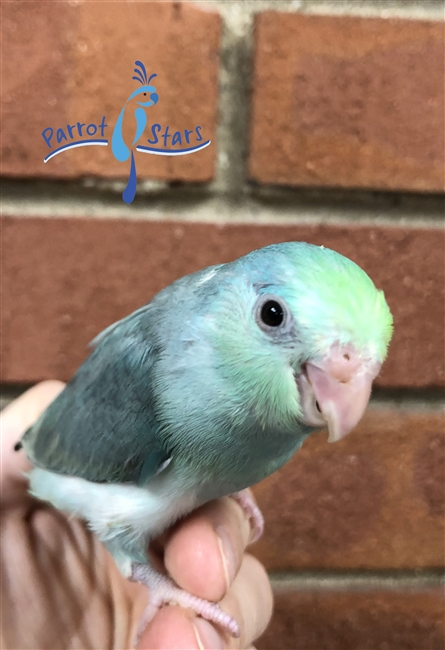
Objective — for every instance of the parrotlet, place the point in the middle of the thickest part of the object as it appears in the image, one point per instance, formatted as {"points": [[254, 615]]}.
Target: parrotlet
{"points": [[206, 390]]}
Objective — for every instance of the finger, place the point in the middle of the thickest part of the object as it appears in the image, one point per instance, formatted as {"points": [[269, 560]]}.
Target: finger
{"points": [[249, 600], [15, 419], [172, 627], [204, 553]]}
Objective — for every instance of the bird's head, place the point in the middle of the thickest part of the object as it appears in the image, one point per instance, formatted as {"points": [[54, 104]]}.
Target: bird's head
{"points": [[148, 93], [304, 333], [147, 96]]}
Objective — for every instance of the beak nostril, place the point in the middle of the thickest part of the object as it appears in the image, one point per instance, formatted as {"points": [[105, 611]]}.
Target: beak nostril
{"points": [[317, 406]]}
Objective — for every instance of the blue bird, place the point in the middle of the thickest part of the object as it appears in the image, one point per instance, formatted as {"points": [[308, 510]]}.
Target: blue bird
{"points": [[120, 150], [204, 391]]}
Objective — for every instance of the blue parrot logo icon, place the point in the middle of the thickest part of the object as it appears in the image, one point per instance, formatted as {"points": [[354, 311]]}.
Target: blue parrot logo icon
{"points": [[120, 150], [163, 142]]}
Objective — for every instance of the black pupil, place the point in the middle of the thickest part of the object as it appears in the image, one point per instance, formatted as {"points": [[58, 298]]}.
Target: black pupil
{"points": [[272, 313]]}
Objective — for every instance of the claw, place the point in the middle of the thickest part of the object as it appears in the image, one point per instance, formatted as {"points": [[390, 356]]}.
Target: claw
{"points": [[248, 504]]}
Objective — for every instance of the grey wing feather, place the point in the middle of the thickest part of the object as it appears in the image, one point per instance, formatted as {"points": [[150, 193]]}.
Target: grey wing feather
{"points": [[103, 426], [124, 324]]}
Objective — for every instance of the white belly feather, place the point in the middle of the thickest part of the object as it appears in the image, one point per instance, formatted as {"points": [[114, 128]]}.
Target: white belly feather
{"points": [[120, 514]]}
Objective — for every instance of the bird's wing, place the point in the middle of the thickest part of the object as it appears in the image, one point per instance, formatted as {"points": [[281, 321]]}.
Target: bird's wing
{"points": [[103, 427]]}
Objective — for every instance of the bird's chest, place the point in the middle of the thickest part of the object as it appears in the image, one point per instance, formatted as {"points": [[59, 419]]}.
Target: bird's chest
{"points": [[236, 465]]}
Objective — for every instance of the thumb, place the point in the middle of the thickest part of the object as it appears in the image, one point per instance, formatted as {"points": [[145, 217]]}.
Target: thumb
{"points": [[14, 420]]}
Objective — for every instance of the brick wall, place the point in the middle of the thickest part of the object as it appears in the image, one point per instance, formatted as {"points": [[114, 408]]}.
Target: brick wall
{"points": [[326, 121]]}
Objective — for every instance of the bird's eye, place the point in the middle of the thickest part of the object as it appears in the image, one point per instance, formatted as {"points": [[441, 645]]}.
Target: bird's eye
{"points": [[273, 316], [145, 94], [272, 313]]}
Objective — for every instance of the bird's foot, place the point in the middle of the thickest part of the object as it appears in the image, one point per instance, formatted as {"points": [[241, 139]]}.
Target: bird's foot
{"points": [[248, 504], [163, 591]]}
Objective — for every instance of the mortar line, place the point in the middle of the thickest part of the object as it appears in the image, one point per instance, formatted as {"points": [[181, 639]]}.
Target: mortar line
{"points": [[410, 9], [218, 211], [357, 581]]}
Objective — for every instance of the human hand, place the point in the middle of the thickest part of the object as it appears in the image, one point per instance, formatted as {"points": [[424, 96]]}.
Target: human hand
{"points": [[61, 588]]}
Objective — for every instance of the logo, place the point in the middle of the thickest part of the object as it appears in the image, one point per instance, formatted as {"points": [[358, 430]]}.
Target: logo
{"points": [[162, 142]]}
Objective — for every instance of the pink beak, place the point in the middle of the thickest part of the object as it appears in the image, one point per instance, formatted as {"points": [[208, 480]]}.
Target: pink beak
{"points": [[336, 390]]}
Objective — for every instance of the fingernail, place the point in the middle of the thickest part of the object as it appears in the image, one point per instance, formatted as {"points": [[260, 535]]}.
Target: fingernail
{"points": [[206, 635], [227, 555]]}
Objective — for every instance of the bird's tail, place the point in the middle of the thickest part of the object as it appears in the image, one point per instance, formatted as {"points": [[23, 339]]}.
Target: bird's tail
{"points": [[130, 191]]}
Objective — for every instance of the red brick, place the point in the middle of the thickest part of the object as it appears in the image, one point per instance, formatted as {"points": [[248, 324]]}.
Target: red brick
{"points": [[348, 102], [37, 71], [66, 279], [374, 500], [69, 62], [374, 620]]}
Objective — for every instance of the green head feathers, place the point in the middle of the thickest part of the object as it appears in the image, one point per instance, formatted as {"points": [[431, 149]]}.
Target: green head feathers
{"points": [[334, 300], [329, 299]]}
